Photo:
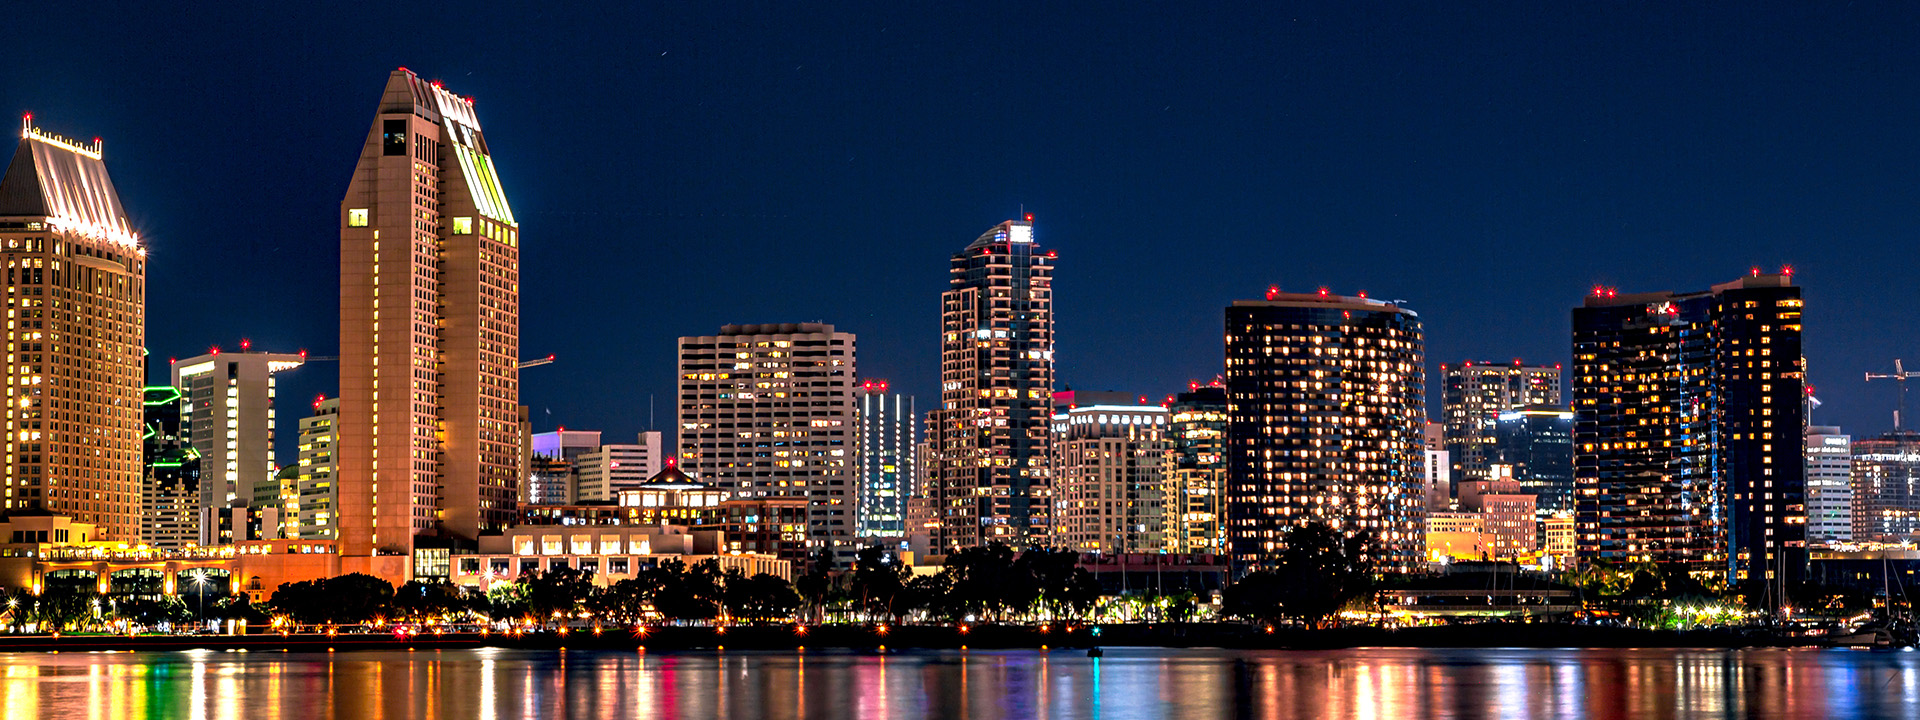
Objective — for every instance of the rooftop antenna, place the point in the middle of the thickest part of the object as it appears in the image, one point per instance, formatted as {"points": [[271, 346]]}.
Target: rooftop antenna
{"points": [[1899, 376]]}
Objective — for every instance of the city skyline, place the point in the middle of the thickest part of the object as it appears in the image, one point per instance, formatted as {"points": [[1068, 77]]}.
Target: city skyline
{"points": [[1488, 154]]}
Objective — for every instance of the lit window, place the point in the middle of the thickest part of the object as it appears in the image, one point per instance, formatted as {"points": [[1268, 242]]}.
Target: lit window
{"points": [[357, 217], [463, 226]]}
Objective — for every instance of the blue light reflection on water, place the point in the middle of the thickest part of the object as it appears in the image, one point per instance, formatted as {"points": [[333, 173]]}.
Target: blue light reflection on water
{"points": [[1375, 684]]}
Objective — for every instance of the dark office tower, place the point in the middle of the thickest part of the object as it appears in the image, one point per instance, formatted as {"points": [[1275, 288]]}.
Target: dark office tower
{"points": [[429, 437], [989, 436], [889, 438], [1537, 441], [76, 324], [170, 493], [1476, 395], [1197, 429], [1325, 418], [1687, 430]]}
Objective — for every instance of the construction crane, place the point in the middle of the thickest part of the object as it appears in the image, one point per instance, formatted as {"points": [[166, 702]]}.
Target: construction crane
{"points": [[524, 364], [1899, 376]]}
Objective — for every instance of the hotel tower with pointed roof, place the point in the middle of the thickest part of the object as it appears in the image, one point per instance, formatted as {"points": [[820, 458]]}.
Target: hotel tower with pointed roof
{"points": [[76, 323], [429, 330]]}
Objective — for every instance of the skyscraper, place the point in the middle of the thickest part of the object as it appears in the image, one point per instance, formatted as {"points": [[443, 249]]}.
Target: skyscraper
{"points": [[1687, 430], [769, 411], [1197, 431], [76, 302], [1829, 484], [170, 496], [232, 425], [1477, 393], [990, 461], [889, 439], [319, 496], [429, 329], [1325, 423], [1536, 441], [1110, 478]]}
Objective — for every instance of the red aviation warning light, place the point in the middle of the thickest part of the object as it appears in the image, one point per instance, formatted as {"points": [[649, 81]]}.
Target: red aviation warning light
{"points": [[1786, 270], [1273, 291], [1029, 217], [1324, 291], [245, 344], [215, 350], [673, 461], [1756, 271]]}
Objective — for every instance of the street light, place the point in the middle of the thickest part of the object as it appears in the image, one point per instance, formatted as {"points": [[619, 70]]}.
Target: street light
{"points": [[199, 591]]}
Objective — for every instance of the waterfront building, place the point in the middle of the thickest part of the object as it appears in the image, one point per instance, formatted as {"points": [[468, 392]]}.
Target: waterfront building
{"points": [[317, 496], [170, 492], [1557, 539], [1325, 422], [429, 426], [1886, 487], [1476, 395], [608, 554], [1197, 431], [1110, 479], [889, 439], [76, 302], [1536, 441], [1829, 485], [601, 473], [1687, 431], [231, 394], [769, 411], [988, 480]]}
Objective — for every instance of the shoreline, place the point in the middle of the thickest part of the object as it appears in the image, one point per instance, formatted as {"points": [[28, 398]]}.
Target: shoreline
{"points": [[868, 638]]}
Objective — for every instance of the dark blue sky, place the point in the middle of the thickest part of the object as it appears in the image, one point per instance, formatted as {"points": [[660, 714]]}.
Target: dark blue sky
{"points": [[680, 166]]}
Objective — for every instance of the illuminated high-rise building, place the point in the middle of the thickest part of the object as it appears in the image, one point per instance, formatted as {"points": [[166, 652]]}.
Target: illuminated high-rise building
{"points": [[232, 426], [1197, 432], [1688, 431], [1110, 476], [1885, 505], [319, 498], [76, 308], [990, 462], [1477, 394], [889, 443], [1829, 484], [429, 427], [170, 497], [769, 411], [1326, 417], [1536, 442]]}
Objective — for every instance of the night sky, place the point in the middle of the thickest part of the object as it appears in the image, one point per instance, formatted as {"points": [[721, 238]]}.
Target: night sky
{"points": [[681, 166]]}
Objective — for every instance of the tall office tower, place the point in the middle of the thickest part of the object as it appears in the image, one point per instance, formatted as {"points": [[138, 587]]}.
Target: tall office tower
{"points": [[600, 474], [232, 399], [319, 498], [430, 388], [1687, 430], [1829, 485], [1197, 429], [1325, 423], [1536, 441], [170, 493], [889, 441], [989, 434], [920, 518], [76, 307], [1886, 487], [1110, 479], [769, 411], [1476, 395]]}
